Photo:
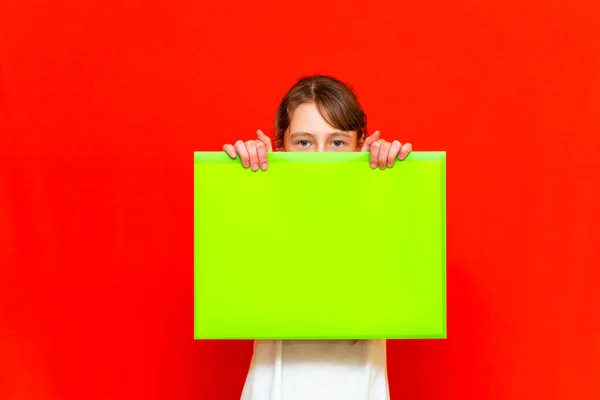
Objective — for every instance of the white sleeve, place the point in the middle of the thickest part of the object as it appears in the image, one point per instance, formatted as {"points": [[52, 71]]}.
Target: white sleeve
{"points": [[264, 377], [377, 365]]}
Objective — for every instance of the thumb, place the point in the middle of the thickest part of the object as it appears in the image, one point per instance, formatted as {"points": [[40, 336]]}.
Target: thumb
{"points": [[369, 141], [265, 139]]}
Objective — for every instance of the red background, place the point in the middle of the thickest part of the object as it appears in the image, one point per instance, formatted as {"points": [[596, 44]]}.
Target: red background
{"points": [[103, 102]]}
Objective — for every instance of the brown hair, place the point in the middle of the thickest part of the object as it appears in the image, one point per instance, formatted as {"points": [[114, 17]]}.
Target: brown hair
{"points": [[335, 100]]}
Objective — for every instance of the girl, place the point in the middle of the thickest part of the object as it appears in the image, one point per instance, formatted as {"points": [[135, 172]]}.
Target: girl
{"points": [[318, 113]]}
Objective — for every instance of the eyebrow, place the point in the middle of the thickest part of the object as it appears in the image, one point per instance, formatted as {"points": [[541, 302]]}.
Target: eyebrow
{"points": [[337, 133]]}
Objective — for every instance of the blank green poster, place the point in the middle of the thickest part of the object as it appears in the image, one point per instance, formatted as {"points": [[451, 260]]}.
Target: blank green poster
{"points": [[319, 246]]}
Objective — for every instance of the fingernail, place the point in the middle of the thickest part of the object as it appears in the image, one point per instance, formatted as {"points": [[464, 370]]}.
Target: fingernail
{"points": [[254, 167], [264, 166], [373, 165], [389, 165], [246, 165], [382, 167]]}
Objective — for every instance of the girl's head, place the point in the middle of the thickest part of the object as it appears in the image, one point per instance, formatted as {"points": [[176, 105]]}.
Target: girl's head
{"points": [[319, 113]]}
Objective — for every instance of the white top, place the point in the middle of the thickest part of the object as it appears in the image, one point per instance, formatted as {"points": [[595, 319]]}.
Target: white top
{"points": [[317, 370]]}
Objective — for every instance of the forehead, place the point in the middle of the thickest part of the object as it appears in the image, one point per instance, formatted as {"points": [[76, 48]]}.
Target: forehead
{"points": [[307, 118]]}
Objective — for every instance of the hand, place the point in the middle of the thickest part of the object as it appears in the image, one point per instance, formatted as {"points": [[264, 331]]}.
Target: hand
{"points": [[384, 153], [253, 153]]}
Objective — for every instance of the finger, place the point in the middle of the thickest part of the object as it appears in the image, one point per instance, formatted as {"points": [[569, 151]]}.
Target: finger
{"points": [[265, 139], [240, 147], [394, 149], [374, 149], [229, 149], [251, 146], [369, 141], [384, 151], [261, 150], [405, 151]]}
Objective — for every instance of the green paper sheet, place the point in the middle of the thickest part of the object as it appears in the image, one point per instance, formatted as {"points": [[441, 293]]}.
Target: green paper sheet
{"points": [[320, 246]]}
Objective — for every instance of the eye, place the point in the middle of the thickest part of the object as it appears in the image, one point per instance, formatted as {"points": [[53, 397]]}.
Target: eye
{"points": [[338, 143], [303, 143]]}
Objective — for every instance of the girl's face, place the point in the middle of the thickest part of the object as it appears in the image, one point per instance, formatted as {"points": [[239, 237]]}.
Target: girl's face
{"points": [[308, 131]]}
